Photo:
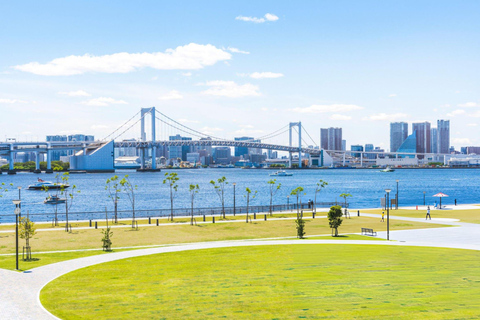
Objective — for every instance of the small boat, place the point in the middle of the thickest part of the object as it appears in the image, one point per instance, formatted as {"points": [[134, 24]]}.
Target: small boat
{"points": [[281, 173], [54, 200], [46, 185], [387, 169]]}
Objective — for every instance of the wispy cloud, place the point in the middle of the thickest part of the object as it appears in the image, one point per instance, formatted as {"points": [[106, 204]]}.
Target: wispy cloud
{"points": [[78, 93], [393, 95], [472, 124], [340, 117], [265, 75], [469, 105], [186, 74], [461, 141], [328, 108], [172, 95], [99, 126], [235, 50], [102, 102], [12, 101], [265, 18], [385, 117], [456, 113], [187, 121], [191, 56], [230, 89]]}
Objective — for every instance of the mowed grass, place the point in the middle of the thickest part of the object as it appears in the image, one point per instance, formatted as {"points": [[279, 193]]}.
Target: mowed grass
{"points": [[84, 239], [470, 215], [275, 282]]}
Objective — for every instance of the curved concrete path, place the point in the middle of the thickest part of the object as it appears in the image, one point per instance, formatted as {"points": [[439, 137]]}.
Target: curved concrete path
{"points": [[19, 292]]}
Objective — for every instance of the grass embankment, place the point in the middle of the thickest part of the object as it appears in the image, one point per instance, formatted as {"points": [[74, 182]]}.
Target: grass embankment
{"points": [[470, 215], [82, 239], [275, 282]]}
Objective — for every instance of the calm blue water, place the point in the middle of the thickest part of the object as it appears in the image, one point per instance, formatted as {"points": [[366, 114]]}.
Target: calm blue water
{"points": [[366, 187]]}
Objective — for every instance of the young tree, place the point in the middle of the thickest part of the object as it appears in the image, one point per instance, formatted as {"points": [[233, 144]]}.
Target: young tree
{"points": [[344, 196], [320, 185], [107, 235], [273, 188], [300, 227], [69, 195], [45, 188], [248, 191], [298, 192], [112, 186], [3, 188], [171, 180], [219, 186], [335, 219], [27, 231], [193, 188], [129, 189]]}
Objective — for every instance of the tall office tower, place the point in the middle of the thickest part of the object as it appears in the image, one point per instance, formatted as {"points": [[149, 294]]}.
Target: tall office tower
{"points": [[57, 154], [423, 137], [207, 149], [222, 155], [398, 134], [245, 151], [369, 147], [331, 139], [434, 140], [443, 127], [175, 152]]}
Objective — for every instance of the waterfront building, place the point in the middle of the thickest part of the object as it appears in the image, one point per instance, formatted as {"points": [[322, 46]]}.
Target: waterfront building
{"points": [[356, 147], [434, 140], [423, 137], [245, 151], [178, 152], [193, 157], [57, 138], [222, 155], [369, 147], [409, 146], [79, 138], [331, 138], [398, 134], [443, 140], [471, 150]]}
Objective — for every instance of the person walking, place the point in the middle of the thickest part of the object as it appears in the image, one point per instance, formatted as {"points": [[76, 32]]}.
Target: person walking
{"points": [[428, 213], [383, 215]]}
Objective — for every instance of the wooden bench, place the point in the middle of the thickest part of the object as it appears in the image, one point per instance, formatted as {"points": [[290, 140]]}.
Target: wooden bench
{"points": [[368, 232]]}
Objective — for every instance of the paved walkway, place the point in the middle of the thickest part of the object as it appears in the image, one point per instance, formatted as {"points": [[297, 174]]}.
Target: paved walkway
{"points": [[19, 293]]}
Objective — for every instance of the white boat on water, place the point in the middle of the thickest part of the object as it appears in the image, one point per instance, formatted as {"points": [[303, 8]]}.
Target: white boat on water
{"points": [[54, 200], [42, 185], [281, 173], [387, 169]]}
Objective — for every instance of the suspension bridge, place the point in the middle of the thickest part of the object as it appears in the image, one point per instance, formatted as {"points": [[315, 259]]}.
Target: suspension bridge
{"points": [[99, 155]]}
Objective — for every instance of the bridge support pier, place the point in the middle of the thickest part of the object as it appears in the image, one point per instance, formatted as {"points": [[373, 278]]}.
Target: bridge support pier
{"points": [[143, 135], [299, 125], [49, 160], [37, 163], [11, 169]]}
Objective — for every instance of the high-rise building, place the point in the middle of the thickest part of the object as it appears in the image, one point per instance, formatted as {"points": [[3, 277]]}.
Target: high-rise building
{"points": [[434, 140], [356, 147], [423, 137], [178, 152], [369, 147], [398, 134], [245, 151], [409, 145], [57, 154], [443, 127], [331, 139], [222, 155], [344, 145]]}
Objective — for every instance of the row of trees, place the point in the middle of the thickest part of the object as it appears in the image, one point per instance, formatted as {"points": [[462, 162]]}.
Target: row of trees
{"points": [[30, 166]]}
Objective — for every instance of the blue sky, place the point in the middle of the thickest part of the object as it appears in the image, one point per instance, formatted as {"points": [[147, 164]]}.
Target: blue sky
{"points": [[352, 64]]}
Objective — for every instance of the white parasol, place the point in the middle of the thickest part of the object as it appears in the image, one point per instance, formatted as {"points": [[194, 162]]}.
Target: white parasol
{"points": [[440, 195]]}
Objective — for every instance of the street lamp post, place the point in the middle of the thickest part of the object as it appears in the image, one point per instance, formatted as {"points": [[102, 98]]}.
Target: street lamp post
{"points": [[424, 198], [396, 200], [17, 213], [234, 184], [288, 202], [388, 213]]}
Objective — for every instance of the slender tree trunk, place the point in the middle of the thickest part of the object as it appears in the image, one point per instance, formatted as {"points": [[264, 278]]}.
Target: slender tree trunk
{"points": [[315, 203], [66, 214], [171, 204], [191, 221], [271, 202]]}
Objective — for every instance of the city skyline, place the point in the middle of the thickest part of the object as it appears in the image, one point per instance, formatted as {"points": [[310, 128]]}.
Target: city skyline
{"points": [[78, 67]]}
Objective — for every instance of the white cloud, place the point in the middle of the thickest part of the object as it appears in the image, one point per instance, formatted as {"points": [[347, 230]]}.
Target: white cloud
{"points": [[265, 18], [12, 101], [264, 109], [476, 114], [230, 89], [469, 105], [472, 125], [154, 78], [191, 56], [325, 108], [78, 93], [265, 75], [99, 126], [385, 117], [235, 50], [457, 91], [187, 74], [172, 95], [246, 126], [210, 130], [461, 141], [393, 95], [102, 102], [248, 131], [187, 121], [456, 113], [340, 117]]}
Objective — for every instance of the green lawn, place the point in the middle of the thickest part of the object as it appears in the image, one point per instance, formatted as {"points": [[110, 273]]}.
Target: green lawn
{"points": [[276, 282], [470, 215]]}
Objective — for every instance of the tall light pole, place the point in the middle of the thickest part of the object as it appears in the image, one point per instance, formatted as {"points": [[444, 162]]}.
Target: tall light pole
{"points": [[17, 213], [388, 213], [396, 200], [234, 184], [424, 198], [288, 202]]}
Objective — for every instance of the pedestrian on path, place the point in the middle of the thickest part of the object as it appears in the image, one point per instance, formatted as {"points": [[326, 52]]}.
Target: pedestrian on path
{"points": [[428, 213], [383, 215]]}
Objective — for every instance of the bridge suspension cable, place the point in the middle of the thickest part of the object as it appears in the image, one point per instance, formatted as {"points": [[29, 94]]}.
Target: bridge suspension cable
{"points": [[131, 125], [309, 136], [111, 134]]}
